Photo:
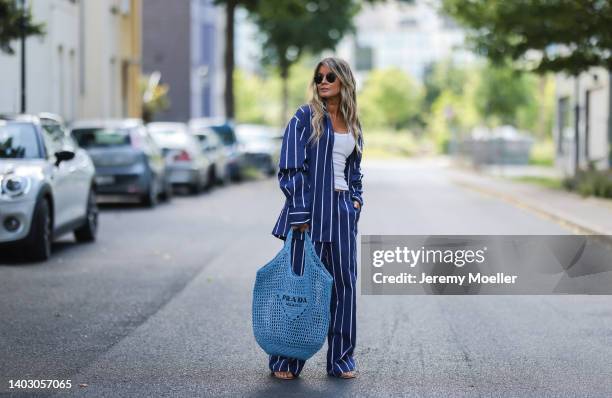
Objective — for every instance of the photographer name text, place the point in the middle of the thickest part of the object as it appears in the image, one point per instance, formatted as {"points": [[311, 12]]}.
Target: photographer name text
{"points": [[424, 278]]}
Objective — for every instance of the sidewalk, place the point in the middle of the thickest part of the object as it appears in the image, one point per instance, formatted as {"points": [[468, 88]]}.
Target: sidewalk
{"points": [[584, 215]]}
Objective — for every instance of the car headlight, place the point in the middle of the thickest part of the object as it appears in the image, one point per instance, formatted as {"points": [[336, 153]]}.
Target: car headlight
{"points": [[14, 186]]}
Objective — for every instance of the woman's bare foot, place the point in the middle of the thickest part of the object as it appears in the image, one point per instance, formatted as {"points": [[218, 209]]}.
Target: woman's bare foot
{"points": [[284, 375]]}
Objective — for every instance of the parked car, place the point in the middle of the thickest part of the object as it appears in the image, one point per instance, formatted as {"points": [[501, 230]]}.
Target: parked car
{"points": [[47, 185], [260, 149], [225, 130], [187, 164], [213, 147], [128, 161]]}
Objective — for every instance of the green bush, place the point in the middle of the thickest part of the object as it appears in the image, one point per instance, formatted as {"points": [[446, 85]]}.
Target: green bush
{"points": [[591, 183], [542, 153]]}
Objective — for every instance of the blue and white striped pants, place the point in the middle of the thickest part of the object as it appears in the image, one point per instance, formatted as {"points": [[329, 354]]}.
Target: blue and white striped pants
{"points": [[340, 259]]}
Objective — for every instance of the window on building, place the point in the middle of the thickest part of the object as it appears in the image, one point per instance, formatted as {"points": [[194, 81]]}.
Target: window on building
{"points": [[564, 122]]}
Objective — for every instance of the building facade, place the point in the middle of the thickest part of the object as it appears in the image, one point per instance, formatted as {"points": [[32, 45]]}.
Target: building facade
{"points": [[52, 63], [406, 35], [584, 106], [86, 65], [111, 58], [184, 42]]}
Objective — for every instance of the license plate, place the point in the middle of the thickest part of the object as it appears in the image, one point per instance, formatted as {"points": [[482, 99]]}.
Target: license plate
{"points": [[105, 179]]}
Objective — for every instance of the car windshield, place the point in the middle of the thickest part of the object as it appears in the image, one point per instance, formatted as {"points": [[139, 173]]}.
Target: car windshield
{"points": [[171, 138], [165, 131], [101, 137], [18, 141], [226, 134]]}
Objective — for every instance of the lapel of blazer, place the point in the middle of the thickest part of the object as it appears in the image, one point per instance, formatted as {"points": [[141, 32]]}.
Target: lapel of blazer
{"points": [[326, 141], [329, 130]]}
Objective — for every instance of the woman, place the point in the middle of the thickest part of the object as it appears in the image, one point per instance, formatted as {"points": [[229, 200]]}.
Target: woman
{"points": [[320, 175]]}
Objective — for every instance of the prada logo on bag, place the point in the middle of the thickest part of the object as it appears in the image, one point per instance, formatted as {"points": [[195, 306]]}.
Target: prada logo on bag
{"points": [[293, 303], [293, 300]]}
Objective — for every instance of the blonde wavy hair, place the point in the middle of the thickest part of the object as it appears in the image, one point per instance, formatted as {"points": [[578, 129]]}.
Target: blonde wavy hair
{"points": [[348, 99]]}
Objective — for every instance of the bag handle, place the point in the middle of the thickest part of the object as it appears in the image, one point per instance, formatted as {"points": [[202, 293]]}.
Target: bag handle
{"points": [[287, 245], [309, 249]]}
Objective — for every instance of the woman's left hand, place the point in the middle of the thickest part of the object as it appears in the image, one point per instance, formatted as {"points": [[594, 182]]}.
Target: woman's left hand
{"points": [[356, 205]]}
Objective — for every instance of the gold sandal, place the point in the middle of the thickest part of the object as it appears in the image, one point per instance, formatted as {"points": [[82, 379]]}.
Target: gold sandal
{"points": [[348, 375], [284, 375]]}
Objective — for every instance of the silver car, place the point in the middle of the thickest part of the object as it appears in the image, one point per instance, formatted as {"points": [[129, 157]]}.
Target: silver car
{"points": [[47, 186], [234, 159], [259, 146], [187, 164], [213, 147]]}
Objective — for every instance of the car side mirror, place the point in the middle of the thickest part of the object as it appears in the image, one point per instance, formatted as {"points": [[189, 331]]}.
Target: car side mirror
{"points": [[62, 155]]}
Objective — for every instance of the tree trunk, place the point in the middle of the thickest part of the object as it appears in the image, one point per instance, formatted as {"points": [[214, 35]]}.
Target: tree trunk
{"points": [[229, 58], [610, 117], [285, 93]]}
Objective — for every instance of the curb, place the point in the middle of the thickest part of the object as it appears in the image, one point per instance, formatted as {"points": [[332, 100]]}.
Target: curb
{"points": [[571, 225]]}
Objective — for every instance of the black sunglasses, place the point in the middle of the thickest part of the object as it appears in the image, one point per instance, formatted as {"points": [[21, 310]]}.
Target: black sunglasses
{"points": [[330, 77]]}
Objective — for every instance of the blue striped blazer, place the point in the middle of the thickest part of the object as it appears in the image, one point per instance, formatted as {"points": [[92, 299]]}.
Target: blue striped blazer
{"points": [[306, 177]]}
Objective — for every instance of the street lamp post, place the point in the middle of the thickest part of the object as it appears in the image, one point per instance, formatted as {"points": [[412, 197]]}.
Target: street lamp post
{"points": [[23, 56]]}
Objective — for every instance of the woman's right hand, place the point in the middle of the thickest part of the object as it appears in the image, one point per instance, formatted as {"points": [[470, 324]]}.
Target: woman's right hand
{"points": [[301, 227]]}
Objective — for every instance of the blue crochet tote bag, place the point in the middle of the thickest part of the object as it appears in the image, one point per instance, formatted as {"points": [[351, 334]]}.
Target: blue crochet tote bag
{"points": [[291, 312]]}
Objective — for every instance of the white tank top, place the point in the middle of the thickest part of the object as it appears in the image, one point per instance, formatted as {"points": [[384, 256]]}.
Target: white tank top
{"points": [[344, 143]]}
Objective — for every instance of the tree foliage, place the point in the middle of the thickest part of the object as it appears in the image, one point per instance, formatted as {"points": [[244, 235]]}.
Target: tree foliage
{"points": [[154, 98], [292, 27], [545, 35], [486, 94], [11, 25], [502, 92], [258, 97], [440, 76], [389, 98]]}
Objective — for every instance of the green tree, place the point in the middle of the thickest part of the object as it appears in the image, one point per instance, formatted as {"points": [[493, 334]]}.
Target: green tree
{"points": [[570, 35], [154, 96], [293, 27], [454, 112], [14, 22], [389, 98], [249, 89], [230, 12], [300, 75], [502, 92], [440, 76]]}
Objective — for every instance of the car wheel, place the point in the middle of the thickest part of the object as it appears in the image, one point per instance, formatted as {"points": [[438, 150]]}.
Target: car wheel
{"points": [[271, 170], [40, 237], [222, 177], [212, 177], [237, 177], [149, 199], [168, 191], [196, 187], [87, 231]]}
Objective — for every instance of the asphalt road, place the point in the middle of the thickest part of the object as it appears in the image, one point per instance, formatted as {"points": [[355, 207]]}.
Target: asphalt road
{"points": [[160, 305]]}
